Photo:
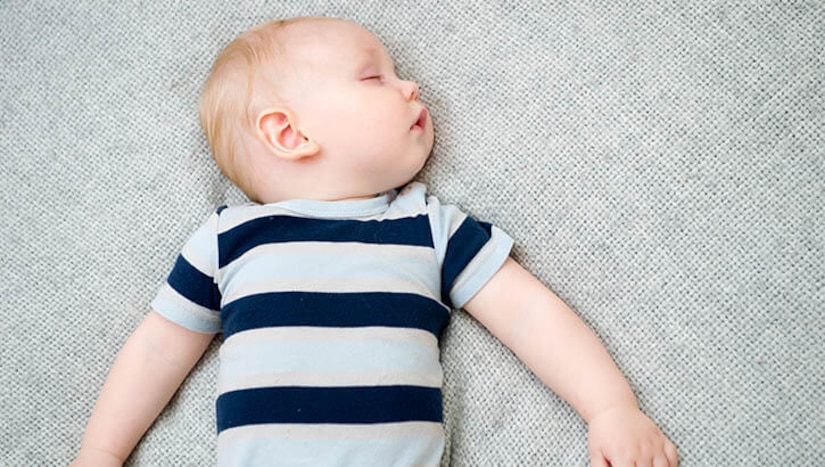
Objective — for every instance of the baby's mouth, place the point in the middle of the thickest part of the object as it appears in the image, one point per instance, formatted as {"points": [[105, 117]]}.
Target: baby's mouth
{"points": [[422, 120]]}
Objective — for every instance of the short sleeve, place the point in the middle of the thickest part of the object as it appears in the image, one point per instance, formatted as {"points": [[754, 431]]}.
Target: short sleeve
{"points": [[190, 297], [469, 252]]}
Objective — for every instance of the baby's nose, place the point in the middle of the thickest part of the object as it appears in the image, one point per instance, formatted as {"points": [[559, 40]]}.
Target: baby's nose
{"points": [[410, 90]]}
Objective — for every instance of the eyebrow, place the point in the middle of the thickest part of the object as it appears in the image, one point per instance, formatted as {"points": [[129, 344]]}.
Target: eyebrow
{"points": [[369, 53], [366, 58]]}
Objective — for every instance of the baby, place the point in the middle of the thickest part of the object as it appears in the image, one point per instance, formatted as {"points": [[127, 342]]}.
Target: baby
{"points": [[331, 287]]}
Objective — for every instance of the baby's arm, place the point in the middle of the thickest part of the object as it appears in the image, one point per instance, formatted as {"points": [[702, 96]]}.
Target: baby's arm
{"points": [[567, 356], [149, 369]]}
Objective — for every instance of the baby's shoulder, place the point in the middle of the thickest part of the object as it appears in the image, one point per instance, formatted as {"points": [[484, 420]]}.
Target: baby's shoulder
{"points": [[226, 217]]}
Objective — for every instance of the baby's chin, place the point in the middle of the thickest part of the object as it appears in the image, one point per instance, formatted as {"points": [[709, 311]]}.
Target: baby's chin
{"points": [[383, 188]]}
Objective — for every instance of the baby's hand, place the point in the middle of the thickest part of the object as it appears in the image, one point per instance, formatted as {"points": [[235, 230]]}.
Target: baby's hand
{"points": [[624, 436]]}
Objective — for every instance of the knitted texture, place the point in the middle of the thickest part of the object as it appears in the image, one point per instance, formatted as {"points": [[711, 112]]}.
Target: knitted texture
{"points": [[660, 165]]}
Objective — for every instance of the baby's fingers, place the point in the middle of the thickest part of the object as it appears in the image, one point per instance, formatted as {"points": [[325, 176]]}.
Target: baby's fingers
{"points": [[664, 457], [668, 457], [644, 455], [597, 459], [671, 454]]}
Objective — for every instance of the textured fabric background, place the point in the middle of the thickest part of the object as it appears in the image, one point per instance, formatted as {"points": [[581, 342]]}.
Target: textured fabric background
{"points": [[661, 166]]}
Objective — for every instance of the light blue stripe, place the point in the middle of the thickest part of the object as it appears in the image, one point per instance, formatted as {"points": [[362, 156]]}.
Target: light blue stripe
{"points": [[248, 449], [178, 309], [201, 250], [336, 261], [243, 361]]}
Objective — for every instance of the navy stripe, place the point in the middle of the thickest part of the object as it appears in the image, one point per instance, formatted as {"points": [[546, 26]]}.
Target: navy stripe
{"points": [[414, 231], [343, 405], [334, 310], [462, 247], [194, 285]]}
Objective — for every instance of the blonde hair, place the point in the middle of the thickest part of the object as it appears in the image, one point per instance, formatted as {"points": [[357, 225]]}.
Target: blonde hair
{"points": [[240, 70]]}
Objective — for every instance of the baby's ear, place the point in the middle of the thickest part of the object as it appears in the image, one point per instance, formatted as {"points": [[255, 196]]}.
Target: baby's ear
{"points": [[276, 128]]}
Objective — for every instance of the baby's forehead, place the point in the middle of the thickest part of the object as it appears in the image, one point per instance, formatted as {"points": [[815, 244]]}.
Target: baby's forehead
{"points": [[330, 37]]}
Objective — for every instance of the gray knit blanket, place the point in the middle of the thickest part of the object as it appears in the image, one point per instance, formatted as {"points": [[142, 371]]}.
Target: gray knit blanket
{"points": [[660, 165]]}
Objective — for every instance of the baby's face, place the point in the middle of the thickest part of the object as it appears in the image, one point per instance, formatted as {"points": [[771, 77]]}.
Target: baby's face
{"points": [[369, 124]]}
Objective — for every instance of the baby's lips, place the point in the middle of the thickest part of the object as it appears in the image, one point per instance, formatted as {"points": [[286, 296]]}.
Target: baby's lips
{"points": [[423, 115]]}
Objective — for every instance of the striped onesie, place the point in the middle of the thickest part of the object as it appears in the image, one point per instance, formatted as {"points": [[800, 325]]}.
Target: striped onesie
{"points": [[331, 314]]}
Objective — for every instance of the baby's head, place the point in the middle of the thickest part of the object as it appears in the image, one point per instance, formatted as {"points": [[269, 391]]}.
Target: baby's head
{"points": [[312, 108]]}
